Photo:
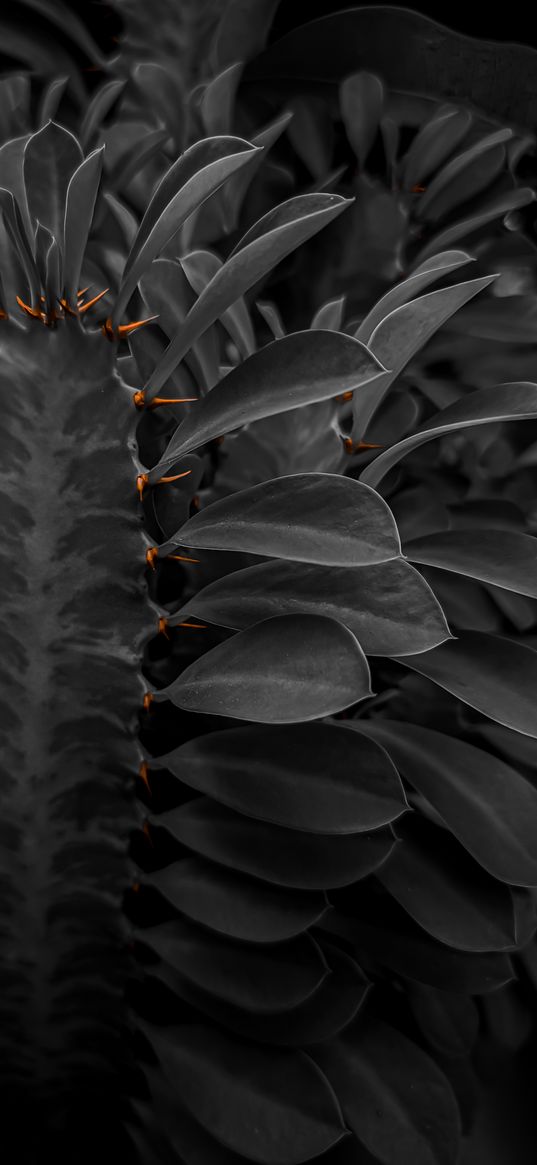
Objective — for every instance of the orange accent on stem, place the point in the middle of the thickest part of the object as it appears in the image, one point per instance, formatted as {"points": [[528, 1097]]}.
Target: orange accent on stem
{"points": [[107, 329], [143, 773], [162, 627], [150, 556], [417, 189], [141, 482], [139, 399], [181, 558], [146, 832], [147, 701], [3, 314], [86, 306], [345, 396]]}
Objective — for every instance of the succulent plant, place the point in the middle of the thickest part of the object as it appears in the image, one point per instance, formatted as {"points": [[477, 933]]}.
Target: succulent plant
{"points": [[268, 786]]}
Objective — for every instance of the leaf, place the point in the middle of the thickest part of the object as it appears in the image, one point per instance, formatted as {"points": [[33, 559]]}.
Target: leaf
{"points": [[382, 931], [79, 208], [485, 406], [389, 607], [304, 777], [97, 109], [270, 673], [266, 243], [395, 1099], [50, 159], [283, 857], [234, 192], [199, 268], [496, 208], [17, 236], [504, 558], [50, 100], [330, 315], [242, 31], [336, 521], [447, 893], [434, 142], [496, 676], [235, 904], [361, 99], [298, 370], [449, 1022], [489, 807], [464, 176], [270, 1105], [398, 337], [256, 978], [218, 100], [508, 319], [196, 174], [330, 1009], [434, 268], [131, 162]]}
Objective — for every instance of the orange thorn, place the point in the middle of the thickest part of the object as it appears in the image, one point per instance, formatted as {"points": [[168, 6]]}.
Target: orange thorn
{"points": [[107, 329], [143, 773], [150, 556], [417, 189], [146, 833], [126, 329], [139, 399], [196, 503], [34, 312], [135, 888], [359, 447], [181, 558], [3, 314], [201, 626], [147, 701], [83, 291], [86, 306], [162, 625], [169, 400], [69, 311], [345, 396], [141, 481], [175, 477]]}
